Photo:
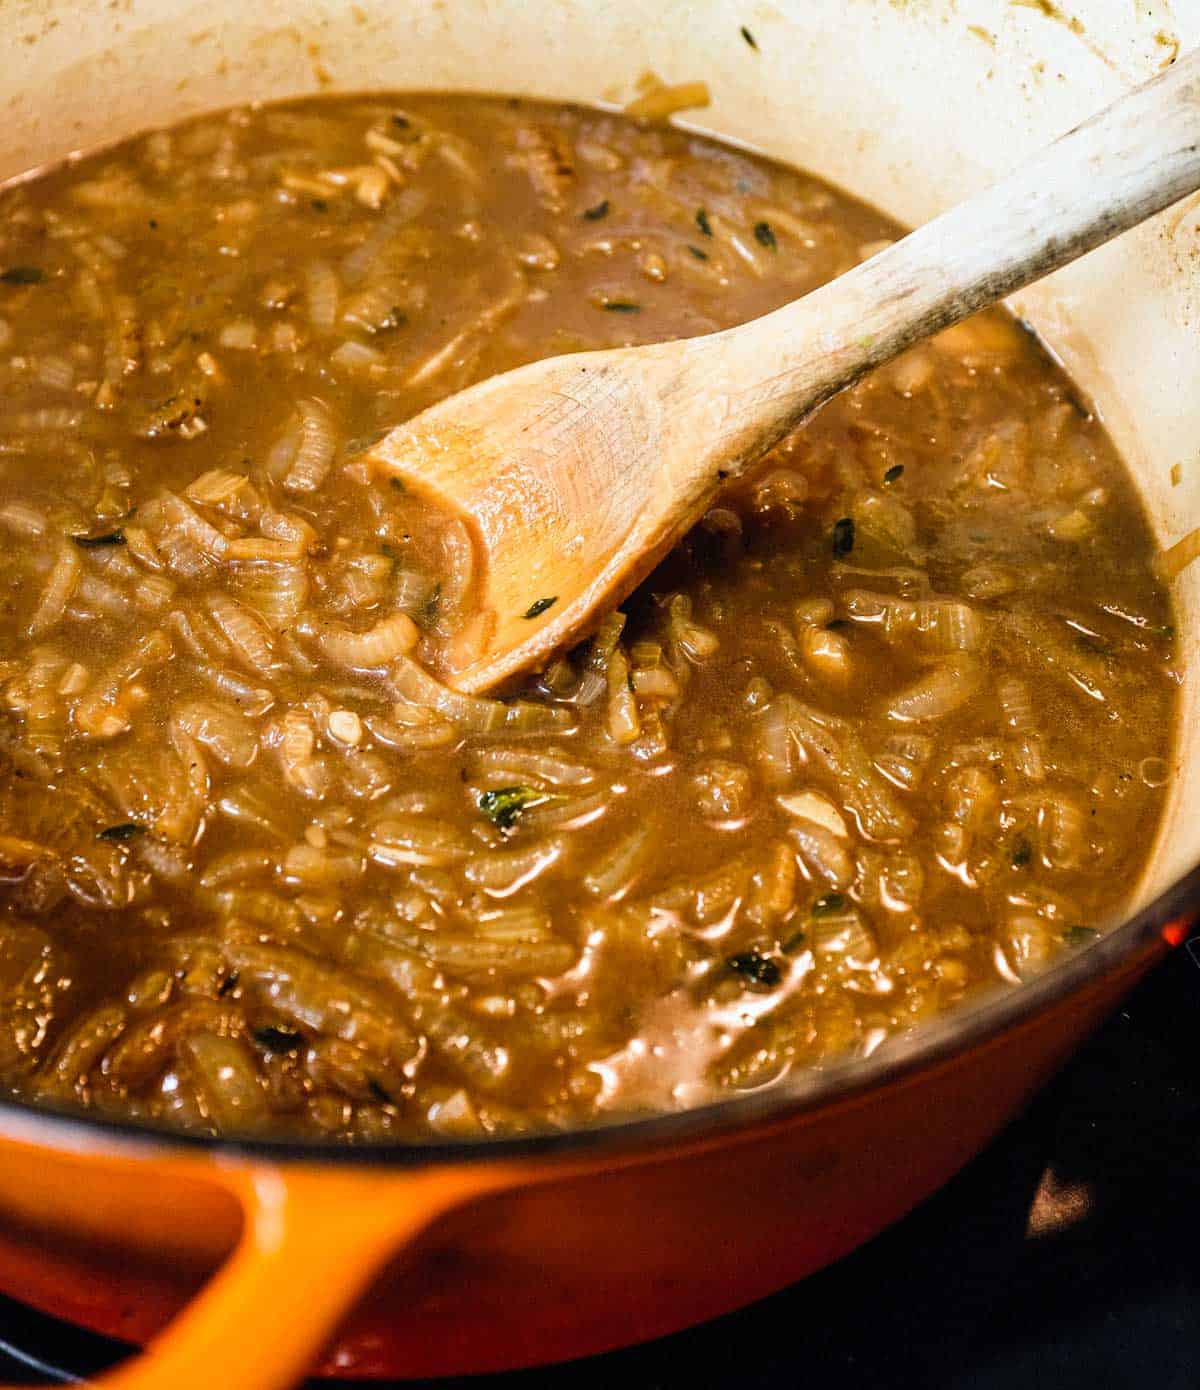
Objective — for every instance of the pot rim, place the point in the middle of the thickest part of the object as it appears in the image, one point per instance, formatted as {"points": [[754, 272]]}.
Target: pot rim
{"points": [[1164, 922]]}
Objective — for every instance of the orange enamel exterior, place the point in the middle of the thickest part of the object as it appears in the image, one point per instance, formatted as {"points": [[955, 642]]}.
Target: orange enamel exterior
{"points": [[362, 1269]]}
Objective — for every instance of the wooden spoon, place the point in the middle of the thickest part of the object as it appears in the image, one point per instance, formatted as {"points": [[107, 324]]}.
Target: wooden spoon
{"points": [[580, 472]]}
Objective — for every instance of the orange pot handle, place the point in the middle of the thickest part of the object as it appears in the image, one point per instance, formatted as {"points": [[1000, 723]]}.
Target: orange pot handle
{"points": [[310, 1243]]}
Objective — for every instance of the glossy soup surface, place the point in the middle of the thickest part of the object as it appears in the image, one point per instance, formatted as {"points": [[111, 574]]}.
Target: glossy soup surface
{"points": [[891, 726]]}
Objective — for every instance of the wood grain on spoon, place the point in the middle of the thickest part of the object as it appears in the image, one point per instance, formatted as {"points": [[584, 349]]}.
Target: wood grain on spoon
{"points": [[580, 472]]}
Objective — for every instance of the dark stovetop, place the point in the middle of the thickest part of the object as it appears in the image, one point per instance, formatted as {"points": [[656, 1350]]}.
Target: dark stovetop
{"points": [[1066, 1255]]}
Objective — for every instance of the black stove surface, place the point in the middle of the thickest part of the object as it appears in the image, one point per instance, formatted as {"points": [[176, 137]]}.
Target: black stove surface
{"points": [[1065, 1255]]}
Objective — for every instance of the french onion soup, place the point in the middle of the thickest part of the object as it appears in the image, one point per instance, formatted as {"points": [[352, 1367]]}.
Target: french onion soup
{"points": [[890, 727]]}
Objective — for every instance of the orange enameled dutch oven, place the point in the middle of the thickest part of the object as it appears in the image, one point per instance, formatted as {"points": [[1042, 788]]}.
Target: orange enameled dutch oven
{"points": [[461, 1258]]}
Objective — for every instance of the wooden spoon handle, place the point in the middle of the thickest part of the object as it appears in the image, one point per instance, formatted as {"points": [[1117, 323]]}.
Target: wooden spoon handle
{"points": [[1139, 155]]}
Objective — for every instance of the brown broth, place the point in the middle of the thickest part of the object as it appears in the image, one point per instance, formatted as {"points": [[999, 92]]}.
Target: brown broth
{"points": [[889, 728]]}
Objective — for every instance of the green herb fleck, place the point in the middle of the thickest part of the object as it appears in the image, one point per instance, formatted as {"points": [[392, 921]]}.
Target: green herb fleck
{"points": [[539, 606], [125, 831], [843, 537], [399, 121], [894, 472], [828, 906], [397, 485], [703, 223], [1022, 852], [23, 275], [594, 214], [1080, 936], [796, 942], [621, 306], [319, 205], [108, 538], [503, 806], [750, 39], [764, 235], [278, 1039], [378, 1090], [757, 970], [697, 252]]}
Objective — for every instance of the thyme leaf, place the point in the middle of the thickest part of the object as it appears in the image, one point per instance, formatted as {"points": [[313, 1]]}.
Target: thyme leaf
{"points": [[125, 831], [23, 275], [765, 236], [278, 1039], [539, 606], [505, 804], [827, 906], [108, 538], [759, 971], [843, 536]]}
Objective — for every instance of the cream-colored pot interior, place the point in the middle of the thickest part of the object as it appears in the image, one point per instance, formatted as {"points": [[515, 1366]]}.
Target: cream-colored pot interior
{"points": [[912, 104]]}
